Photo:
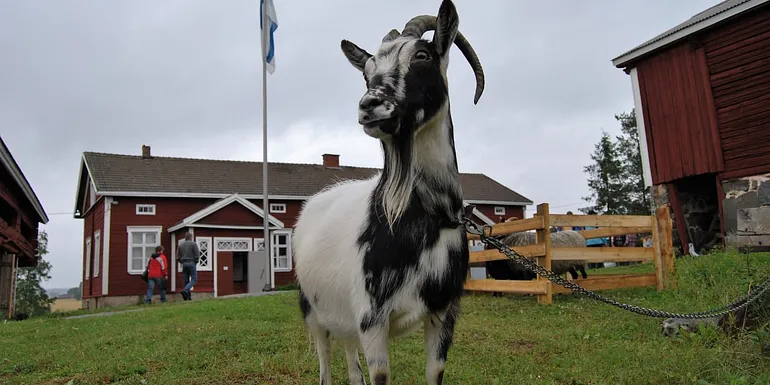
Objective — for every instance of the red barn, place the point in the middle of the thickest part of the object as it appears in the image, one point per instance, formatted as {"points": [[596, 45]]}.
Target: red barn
{"points": [[20, 215], [702, 101], [130, 204]]}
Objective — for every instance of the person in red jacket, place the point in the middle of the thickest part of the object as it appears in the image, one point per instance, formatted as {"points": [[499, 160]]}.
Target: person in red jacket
{"points": [[157, 271]]}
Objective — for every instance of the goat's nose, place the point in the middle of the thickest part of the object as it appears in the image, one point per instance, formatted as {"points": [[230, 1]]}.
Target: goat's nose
{"points": [[369, 102]]}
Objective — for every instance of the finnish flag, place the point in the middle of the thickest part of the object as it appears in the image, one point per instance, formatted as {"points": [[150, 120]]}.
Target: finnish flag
{"points": [[268, 40]]}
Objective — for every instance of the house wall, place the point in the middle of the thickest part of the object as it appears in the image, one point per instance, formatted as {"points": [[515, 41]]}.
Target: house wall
{"points": [[93, 220], [738, 57], [510, 211]]}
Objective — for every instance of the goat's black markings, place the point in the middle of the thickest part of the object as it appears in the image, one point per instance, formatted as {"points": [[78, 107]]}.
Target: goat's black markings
{"points": [[447, 330], [440, 378], [380, 379], [304, 304]]}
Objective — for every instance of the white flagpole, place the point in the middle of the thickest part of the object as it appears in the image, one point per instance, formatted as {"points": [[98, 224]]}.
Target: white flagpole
{"points": [[265, 207]]}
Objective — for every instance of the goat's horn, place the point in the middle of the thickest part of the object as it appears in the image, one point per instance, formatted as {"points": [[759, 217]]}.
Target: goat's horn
{"points": [[418, 25], [393, 34]]}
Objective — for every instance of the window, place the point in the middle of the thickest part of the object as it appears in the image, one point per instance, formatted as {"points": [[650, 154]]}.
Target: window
{"points": [[97, 251], [277, 207], [145, 209], [499, 210], [204, 260], [88, 257], [281, 246], [141, 244]]}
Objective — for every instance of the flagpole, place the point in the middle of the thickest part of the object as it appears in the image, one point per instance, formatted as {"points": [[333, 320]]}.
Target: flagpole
{"points": [[265, 207]]}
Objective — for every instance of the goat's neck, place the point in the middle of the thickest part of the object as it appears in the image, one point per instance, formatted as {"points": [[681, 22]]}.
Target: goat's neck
{"points": [[422, 170]]}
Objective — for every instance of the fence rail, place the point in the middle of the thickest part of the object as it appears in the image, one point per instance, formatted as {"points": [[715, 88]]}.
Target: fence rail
{"points": [[659, 226]]}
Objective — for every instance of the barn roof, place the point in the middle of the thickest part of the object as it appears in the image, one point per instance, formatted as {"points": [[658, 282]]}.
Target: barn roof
{"points": [[129, 175], [13, 168], [711, 16]]}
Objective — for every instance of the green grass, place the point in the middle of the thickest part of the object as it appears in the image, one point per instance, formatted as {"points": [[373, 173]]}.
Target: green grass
{"points": [[510, 340]]}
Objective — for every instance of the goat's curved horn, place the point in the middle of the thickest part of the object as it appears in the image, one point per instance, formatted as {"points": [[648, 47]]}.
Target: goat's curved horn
{"points": [[418, 25], [393, 34]]}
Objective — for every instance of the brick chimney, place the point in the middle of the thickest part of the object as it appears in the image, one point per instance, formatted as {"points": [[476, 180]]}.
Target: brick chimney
{"points": [[331, 160], [146, 151]]}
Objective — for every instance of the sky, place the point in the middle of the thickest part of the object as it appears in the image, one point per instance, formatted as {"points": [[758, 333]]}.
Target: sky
{"points": [[185, 77]]}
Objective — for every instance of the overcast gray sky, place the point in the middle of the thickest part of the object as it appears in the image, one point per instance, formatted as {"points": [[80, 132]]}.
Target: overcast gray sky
{"points": [[184, 76]]}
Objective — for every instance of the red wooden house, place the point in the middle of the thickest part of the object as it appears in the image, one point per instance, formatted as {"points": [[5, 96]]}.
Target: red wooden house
{"points": [[702, 96], [130, 204], [20, 215]]}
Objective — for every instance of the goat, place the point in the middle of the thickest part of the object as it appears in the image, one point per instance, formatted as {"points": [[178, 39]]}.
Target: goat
{"points": [[376, 258]]}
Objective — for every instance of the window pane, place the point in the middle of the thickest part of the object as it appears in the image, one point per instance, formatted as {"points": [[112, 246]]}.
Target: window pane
{"points": [[136, 238], [283, 263], [151, 238], [282, 252], [137, 258], [281, 239]]}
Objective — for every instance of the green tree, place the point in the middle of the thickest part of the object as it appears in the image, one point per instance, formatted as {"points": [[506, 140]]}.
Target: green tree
{"points": [[31, 298], [639, 202], [76, 292], [605, 179]]}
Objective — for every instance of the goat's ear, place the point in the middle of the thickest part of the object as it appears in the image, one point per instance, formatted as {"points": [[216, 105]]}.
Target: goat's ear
{"points": [[447, 23], [356, 55]]}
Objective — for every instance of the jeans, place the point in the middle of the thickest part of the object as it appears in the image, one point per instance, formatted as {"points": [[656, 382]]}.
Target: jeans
{"points": [[151, 283], [190, 273]]}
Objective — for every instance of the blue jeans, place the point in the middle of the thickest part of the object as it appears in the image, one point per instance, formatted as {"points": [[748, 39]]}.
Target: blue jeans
{"points": [[151, 283], [190, 273]]}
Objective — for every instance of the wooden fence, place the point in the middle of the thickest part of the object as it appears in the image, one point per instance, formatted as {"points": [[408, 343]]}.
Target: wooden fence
{"points": [[661, 254]]}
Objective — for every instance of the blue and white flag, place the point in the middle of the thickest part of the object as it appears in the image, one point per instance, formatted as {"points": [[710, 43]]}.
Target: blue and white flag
{"points": [[268, 39]]}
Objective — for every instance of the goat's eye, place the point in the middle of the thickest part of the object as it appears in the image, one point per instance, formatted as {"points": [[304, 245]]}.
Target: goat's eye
{"points": [[422, 55]]}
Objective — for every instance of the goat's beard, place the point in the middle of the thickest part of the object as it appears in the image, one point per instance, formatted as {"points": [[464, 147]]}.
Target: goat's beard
{"points": [[383, 128]]}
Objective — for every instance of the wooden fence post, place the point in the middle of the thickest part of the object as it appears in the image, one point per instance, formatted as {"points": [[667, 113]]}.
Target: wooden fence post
{"points": [[665, 242], [659, 276], [544, 237]]}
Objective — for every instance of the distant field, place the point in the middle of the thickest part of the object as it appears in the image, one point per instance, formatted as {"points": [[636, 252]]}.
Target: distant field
{"points": [[68, 304]]}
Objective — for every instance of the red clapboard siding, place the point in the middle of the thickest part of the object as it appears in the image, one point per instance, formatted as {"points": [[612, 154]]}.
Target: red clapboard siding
{"points": [[678, 108], [738, 56], [93, 220], [233, 214], [510, 211]]}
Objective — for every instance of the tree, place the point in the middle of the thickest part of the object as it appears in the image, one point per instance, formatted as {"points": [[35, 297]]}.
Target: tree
{"points": [[31, 298], [639, 202], [76, 292], [608, 192]]}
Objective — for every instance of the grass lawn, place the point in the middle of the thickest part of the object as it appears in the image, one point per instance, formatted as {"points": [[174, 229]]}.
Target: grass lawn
{"points": [[510, 340]]}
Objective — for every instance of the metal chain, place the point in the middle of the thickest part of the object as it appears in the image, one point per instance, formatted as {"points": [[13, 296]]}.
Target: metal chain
{"points": [[738, 304]]}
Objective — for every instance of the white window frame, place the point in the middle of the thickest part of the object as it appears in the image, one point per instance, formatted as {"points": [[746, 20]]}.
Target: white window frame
{"points": [[274, 248], [501, 210], [97, 251], [140, 206], [88, 257], [144, 229], [210, 251], [278, 208]]}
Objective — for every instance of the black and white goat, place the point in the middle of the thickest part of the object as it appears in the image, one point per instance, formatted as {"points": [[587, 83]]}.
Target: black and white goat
{"points": [[377, 258]]}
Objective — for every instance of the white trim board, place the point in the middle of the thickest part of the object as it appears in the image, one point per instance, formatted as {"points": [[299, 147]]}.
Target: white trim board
{"points": [[640, 127], [498, 203], [106, 248], [224, 203], [483, 217], [229, 227]]}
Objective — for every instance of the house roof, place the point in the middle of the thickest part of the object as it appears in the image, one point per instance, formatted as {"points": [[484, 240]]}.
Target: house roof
{"points": [[711, 16], [129, 175], [13, 168]]}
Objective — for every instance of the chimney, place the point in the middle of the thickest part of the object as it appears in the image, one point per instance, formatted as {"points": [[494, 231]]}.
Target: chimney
{"points": [[331, 160], [146, 152]]}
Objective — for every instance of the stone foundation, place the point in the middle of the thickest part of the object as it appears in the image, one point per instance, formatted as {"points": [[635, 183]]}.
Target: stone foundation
{"points": [[659, 195], [126, 300], [746, 211]]}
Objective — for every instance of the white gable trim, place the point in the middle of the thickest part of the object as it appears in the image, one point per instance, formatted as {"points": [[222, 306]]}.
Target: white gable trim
{"points": [[83, 209], [499, 203], [224, 203], [144, 194]]}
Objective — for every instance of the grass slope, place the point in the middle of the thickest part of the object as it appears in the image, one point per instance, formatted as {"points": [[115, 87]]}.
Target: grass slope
{"points": [[498, 341]]}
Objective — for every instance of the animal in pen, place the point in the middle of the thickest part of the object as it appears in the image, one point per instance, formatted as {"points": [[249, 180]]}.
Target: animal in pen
{"points": [[566, 238], [377, 258]]}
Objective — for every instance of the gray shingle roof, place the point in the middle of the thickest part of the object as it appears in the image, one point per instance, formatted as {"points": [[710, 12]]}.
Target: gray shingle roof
{"points": [[129, 173], [704, 19]]}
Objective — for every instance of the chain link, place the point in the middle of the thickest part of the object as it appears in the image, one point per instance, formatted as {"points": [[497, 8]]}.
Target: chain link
{"points": [[736, 305]]}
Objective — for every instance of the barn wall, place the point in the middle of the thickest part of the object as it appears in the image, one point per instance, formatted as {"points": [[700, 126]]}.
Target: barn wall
{"points": [[738, 56], [678, 114]]}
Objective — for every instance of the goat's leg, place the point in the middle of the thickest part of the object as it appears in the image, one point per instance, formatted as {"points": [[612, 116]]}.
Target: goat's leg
{"points": [[582, 269], [439, 331], [373, 333], [572, 272], [355, 373], [323, 349]]}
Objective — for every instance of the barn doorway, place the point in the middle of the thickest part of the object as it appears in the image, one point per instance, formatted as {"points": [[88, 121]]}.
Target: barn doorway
{"points": [[696, 208], [249, 271], [240, 272]]}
